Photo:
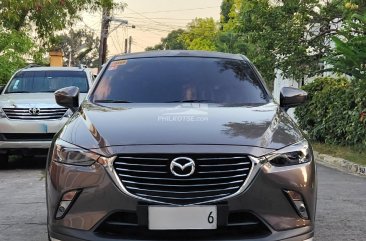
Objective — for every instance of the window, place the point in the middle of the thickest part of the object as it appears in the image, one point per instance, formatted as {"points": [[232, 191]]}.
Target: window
{"points": [[180, 79], [47, 81]]}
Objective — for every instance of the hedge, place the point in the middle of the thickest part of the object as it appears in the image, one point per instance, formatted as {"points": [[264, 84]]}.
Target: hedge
{"points": [[335, 112]]}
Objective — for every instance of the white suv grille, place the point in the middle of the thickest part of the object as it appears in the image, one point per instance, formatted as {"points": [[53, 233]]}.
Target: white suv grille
{"points": [[34, 114]]}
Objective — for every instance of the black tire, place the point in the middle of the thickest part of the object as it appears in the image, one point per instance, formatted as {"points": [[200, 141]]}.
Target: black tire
{"points": [[4, 159]]}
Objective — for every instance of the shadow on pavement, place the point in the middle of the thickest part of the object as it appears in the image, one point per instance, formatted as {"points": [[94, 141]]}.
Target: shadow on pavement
{"points": [[19, 162]]}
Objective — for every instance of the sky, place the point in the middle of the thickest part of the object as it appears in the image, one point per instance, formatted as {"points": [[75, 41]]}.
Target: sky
{"points": [[153, 19]]}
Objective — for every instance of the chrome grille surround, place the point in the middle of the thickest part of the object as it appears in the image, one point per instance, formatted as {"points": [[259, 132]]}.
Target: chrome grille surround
{"points": [[209, 184], [44, 113]]}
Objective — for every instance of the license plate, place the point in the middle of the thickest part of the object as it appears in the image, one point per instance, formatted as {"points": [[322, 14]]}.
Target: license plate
{"points": [[182, 218]]}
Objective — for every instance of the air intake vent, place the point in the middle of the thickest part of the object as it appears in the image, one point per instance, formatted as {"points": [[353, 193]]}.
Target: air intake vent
{"points": [[215, 177]]}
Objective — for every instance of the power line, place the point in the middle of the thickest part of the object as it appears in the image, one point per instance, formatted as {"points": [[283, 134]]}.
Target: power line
{"points": [[149, 18], [182, 19], [178, 10]]}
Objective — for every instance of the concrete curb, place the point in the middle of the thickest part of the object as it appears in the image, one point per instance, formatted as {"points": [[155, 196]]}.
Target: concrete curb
{"points": [[340, 164]]}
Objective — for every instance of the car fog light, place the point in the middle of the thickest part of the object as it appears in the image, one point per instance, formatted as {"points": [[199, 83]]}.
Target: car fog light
{"points": [[65, 203], [298, 203]]}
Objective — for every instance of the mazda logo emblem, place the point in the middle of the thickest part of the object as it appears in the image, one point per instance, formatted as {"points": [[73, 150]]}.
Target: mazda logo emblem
{"points": [[34, 111], [182, 167]]}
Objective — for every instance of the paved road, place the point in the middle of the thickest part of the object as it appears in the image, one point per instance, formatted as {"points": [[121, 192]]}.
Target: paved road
{"points": [[341, 212]]}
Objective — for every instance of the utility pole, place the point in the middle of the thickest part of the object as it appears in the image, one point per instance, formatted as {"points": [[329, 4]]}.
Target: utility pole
{"points": [[106, 20], [126, 46], [104, 36], [130, 44]]}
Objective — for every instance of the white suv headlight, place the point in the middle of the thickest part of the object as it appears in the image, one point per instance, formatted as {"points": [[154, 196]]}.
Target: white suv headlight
{"points": [[68, 113], [295, 154], [2, 113]]}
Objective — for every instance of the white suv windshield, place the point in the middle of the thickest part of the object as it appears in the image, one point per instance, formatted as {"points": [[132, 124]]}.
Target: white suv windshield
{"points": [[47, 81]]}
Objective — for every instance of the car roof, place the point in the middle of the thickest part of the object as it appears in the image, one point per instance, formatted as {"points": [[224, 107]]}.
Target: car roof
{"points": [[181, 53], [53, 69]]}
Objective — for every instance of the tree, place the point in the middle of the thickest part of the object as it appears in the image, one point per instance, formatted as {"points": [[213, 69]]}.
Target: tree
{"points": [[174, 40], [289, 35], [28, 27], [79, 47], [46, 16], [15, 47], [349, 55], [201, 34]]}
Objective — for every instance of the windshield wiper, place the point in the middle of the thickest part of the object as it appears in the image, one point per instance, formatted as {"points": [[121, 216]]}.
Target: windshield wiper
{"points": [[113, 101], [190, 101]]}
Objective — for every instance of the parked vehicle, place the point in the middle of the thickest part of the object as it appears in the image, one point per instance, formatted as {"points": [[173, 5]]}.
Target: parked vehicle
{"points": [[29, 114], [180, 145]]}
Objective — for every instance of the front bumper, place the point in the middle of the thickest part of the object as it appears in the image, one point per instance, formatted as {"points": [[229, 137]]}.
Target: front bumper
{"points": [[301, 234], [28, 134], [8, 145], [100, 197]]}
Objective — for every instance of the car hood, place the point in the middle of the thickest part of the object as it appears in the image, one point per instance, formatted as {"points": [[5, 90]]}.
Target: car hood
{"points": [[265, 126], [26, 100]]}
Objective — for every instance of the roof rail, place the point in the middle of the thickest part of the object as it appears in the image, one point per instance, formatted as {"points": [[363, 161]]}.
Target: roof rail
{"points": [[32, 66]]}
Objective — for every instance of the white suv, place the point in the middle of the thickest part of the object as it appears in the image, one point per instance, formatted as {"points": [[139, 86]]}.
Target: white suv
{"points": [[29, 115]]}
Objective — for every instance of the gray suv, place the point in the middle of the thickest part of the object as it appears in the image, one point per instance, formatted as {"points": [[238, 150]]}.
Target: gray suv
{"points": [[180, 145]]}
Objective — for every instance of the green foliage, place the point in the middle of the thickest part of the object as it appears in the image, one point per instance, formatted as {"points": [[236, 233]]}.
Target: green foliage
{"points": [[174, 40], [79, 47], [28, 27], [333, 113], [14, 47], [47, 16], [201, 34], [349, 56]]}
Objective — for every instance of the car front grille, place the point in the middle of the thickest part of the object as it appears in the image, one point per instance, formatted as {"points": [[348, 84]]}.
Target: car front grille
{"points": [[39, 114], [150, 177]]}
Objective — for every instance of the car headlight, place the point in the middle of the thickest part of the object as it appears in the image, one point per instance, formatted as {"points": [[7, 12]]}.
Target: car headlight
{"points": [[2, 113], [295, 154], [67, 153], [68, 113]]}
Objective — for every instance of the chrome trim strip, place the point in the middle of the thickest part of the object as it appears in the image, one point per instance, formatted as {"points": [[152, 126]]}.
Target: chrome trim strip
{"points": [[182, 179], [225, 165], [220, 158], [143, 158], [134, 164], [184, 198], [128, 170], [225, 171], [152, 190], [172, 185]]}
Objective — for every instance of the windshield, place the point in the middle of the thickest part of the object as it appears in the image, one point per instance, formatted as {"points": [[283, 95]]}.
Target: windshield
{"points": [[179, 79], [47, 81]]}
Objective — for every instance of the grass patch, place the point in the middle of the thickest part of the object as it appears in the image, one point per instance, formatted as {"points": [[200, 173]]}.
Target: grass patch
{"points": [[353, 154]]}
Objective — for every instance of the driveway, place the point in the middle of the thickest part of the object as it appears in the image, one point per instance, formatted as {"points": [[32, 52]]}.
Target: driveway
{"points": [[341, 213]]}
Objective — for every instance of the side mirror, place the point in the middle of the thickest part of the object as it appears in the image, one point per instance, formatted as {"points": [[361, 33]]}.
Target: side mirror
{"points": [[2, 88], [68, 97], [292, 97]]}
